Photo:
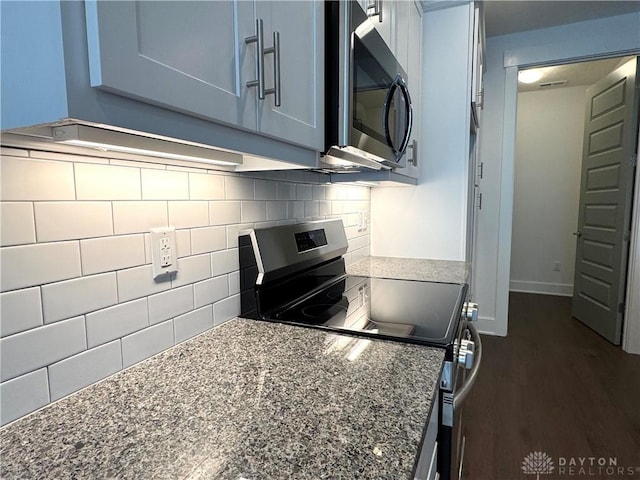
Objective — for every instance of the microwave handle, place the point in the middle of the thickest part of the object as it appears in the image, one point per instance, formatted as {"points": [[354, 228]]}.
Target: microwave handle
{"points": [[398, 83]]}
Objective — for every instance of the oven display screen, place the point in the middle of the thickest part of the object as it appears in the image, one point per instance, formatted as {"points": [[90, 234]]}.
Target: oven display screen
{"points": [[309, 240]]}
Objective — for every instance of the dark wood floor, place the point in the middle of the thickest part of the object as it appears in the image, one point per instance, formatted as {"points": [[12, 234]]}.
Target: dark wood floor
{"points": [[555, 386]]}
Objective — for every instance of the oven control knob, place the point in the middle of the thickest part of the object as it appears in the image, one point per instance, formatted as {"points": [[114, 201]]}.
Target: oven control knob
{"points": [[471, 311], [465, 353]]}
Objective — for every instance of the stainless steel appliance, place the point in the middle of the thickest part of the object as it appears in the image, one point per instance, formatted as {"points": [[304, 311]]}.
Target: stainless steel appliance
{"points": [[368, 108], [296, 274]]}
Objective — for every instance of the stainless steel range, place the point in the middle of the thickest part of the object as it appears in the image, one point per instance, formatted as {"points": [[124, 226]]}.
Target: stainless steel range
{"points": [[296, 274]]}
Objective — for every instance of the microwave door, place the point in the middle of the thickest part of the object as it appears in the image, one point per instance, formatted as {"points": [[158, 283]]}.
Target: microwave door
{"points": [[398, 117]]}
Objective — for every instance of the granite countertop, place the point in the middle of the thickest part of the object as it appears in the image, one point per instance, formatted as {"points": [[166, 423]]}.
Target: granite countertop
{"points": [[446, 271], [246, 400]]}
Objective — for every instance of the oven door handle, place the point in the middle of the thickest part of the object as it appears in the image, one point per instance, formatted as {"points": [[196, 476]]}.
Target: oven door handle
{"points": [[462, 393]]}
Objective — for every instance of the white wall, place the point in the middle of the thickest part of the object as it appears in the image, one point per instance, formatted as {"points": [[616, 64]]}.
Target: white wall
{"points": [[546, 189], [429, 220], [613, 35]]}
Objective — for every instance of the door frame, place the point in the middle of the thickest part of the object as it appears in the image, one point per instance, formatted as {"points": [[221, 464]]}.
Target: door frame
{"points": [[515, 60]]}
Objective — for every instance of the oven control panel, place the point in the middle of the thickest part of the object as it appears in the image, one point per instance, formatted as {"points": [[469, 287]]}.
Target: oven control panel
{"points": [[311, 239]]}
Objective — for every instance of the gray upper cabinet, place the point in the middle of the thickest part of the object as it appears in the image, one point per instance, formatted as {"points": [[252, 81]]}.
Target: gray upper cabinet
{"points": [[192, 57], [174, 69], [299, 118], [414, 73], [180, 55]]}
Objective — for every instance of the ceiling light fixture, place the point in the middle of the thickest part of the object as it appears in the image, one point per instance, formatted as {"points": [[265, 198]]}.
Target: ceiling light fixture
{"points": [[139, 144], [529, 76]]}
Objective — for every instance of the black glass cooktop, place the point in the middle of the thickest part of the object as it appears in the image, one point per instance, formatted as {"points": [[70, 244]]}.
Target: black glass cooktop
{"points": [[412, 311]]}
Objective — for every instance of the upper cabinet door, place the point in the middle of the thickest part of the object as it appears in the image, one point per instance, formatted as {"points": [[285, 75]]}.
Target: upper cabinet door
{"points": [[414, 81], [299, 117], [188, 56]]}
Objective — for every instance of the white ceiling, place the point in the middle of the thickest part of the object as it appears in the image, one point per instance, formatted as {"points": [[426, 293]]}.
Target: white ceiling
{"points": [[511, 16], [574, 74]]}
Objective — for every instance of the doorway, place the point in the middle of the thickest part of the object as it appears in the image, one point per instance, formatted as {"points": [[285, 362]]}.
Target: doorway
{"points": [[547, 174]]}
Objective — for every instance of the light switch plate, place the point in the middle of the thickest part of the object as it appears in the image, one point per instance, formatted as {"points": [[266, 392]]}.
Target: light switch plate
{"points": [[164, 256]]}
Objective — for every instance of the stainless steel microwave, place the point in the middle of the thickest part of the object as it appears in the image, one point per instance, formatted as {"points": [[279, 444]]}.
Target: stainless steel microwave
{"points": [[368, 108]]}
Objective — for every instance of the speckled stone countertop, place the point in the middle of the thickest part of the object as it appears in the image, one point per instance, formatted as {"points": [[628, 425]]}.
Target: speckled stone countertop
{"points": [[246, 400], [412, 269]]}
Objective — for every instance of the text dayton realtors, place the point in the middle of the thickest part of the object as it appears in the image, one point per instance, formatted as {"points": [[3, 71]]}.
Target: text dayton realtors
{"points": [[593, 466]]}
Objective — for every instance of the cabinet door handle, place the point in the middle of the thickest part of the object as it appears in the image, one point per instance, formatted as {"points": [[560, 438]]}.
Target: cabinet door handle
{"points": [[276, 69], [259, 39], [376, 6], [414, 153]]}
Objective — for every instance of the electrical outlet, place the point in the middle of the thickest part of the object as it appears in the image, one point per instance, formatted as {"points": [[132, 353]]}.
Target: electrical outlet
{"points": [[163, 252], [363, 220], [556, 266]]}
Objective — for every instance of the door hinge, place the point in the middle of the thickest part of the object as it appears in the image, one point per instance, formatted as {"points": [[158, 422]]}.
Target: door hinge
{"points": [[622, 307], [479, 201], [634, 159]]}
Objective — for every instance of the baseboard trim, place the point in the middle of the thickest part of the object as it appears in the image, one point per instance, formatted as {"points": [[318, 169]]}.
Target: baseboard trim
{"points": [[489, 326], [559, 289]]}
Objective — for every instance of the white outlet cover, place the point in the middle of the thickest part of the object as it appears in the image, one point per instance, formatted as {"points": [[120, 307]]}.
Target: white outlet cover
{"points": [[164, 255]]}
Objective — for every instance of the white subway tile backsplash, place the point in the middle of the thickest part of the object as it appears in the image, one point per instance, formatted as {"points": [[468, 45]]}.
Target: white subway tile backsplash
{"points": [[304, 192], [107, 182], [311, 209], [193, 323], [232, 233], [107, 208], [254, 211], [27, 351], [68, 157], [286, 191], [164, 185], [26, 179], [192, 269], [203, 186], [138, 217], [238, 188], [134, 163], [319, 192], [224, 213], [111, 253], [296, 209], [30, 265], [81, 295], [266, 190], [183, 243], [138, 282], [189, 214], [115, 322], [20, 310], [324, 207], [276, 210], [208, 239], [146, 343], [72, 220], [225, 261], [13, 152], [171, 303], [234, 283], [23, 395], [226, 309], [79, 371], [211, 290], [17, 225]]}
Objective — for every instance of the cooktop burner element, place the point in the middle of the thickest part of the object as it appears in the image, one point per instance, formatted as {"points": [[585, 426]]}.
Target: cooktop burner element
{"points": [[296, 274]]}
